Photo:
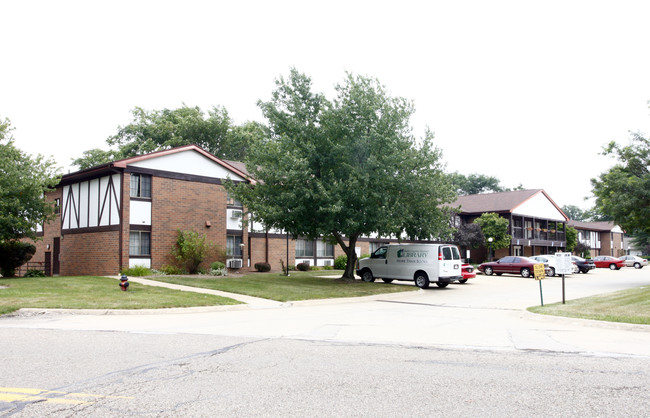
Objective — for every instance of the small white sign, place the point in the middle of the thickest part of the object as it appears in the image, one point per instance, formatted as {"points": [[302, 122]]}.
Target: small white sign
{"points": [[563, 263]]}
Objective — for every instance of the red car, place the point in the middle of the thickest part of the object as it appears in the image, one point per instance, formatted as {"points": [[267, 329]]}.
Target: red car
{"points": [[467, 270], [512, 265], [605, 261]]}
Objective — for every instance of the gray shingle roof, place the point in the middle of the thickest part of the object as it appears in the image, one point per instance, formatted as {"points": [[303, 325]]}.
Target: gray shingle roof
{"points": [[494, 202]]}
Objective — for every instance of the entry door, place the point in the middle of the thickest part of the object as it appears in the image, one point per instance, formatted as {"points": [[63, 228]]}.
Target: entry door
{"points": [[56, 251], [518, 250]]}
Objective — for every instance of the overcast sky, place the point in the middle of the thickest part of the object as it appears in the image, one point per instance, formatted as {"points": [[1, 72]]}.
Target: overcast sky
{"points": [[525, 91]]}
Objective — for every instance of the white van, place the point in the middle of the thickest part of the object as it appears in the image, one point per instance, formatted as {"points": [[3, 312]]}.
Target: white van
{"points": [[421, 263]]}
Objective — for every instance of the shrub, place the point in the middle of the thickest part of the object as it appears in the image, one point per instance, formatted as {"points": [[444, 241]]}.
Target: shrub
{"points": [[137, 271], [191, 249], [219, 272], [34, 273], [262, 267], [328, 267], [340, 262], [14, 254], [217, 265], [303, 266]]}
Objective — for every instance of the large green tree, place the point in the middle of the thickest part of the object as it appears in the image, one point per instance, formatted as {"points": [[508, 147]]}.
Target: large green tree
{"points": [[623, 192], [345, 168], [156, 130], [477, 184], [24, 180]]}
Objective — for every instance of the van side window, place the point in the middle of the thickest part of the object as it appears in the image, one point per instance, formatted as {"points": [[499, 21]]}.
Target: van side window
{"points": [[380, 253], [455, 252], [446, 253]]}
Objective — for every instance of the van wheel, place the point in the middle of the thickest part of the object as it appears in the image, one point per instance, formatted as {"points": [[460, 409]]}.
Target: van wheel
{"points": [[462, 281], [525, 272], [422, 280], [442, 284], [388, 280], [367, 276]]}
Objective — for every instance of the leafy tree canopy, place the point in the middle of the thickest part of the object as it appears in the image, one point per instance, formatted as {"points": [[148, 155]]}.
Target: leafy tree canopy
{"points": [[495, 227], [477, 184], [346, 167], [590, 215], [24, 180], [157, 130], [469, 236], [623, 192]]}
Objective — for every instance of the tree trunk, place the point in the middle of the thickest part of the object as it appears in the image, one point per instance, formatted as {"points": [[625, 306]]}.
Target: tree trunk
{"points": [[349, 273]]}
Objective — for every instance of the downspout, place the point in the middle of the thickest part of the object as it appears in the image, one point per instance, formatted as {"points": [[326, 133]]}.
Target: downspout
{"points": [[121, 237]]}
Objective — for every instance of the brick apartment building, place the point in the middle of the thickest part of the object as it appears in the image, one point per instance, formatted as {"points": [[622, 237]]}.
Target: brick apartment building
{"points": [[128, 212]]}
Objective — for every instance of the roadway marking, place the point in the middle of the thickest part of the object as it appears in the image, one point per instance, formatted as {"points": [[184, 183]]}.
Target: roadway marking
{"points": [[51, 396]]}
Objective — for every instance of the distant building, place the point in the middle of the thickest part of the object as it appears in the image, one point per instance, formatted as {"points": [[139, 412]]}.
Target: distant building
{"points": [[535, 223], [603, 238]]}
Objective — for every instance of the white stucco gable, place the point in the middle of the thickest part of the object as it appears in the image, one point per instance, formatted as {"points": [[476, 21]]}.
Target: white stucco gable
{"points": [[539, 206], [189, 162]]}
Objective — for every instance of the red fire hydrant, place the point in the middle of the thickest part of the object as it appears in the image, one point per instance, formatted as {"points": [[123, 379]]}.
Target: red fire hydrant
{"points": [[124, 282]]}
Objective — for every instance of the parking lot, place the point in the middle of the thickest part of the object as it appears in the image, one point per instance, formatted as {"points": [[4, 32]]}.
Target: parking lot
{"points": [[487, 312]]}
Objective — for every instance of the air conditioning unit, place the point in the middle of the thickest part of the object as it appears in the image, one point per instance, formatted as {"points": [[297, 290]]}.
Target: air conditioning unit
{"points": [[236, 214], [235, 263]]}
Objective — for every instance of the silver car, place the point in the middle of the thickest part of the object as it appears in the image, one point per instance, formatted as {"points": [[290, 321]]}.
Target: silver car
{"points": [[634, 261]]}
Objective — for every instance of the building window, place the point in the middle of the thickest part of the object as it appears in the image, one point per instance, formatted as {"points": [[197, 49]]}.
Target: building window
{"points": [[140, 185], [233, 246], [57, 206], [324, 250], [140, 243], [231, 201], [304, 248]]}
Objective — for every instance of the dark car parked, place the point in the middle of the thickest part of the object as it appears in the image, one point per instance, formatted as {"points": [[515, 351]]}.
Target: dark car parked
{"points": [[584, 265], [511, 265]]}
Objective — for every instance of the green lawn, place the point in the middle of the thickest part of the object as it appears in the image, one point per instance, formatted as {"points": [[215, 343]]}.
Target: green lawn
{"points": [[629, 306], [298, 286], [95, 293]]}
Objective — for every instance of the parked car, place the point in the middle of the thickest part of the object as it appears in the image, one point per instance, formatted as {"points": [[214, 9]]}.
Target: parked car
{"points": [[584, 265], [467, 270], [550, 260], [511, 265], [634, 261], [606, 261]]}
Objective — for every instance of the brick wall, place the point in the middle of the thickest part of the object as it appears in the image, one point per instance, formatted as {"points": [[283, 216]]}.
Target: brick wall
{"points": [[185, 205], [94, 253]]}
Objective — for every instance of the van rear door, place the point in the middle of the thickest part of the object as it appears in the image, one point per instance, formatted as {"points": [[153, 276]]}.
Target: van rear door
{"points": [[449, 259]]}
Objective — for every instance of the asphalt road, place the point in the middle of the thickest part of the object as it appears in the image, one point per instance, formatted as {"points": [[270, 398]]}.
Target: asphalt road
{"points": [[464, 350]]}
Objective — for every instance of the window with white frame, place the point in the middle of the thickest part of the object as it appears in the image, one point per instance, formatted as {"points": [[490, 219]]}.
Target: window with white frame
{"points": [[324, 249], [304, 248], [233, 246], [140, 185], [140, 243]]}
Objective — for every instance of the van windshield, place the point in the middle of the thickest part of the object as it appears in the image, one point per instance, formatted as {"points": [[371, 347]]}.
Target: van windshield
{"points": [[450, 253]]}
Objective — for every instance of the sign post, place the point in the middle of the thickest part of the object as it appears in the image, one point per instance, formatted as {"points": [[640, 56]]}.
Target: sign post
{"points": [[563, 265], [540, 274]]}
